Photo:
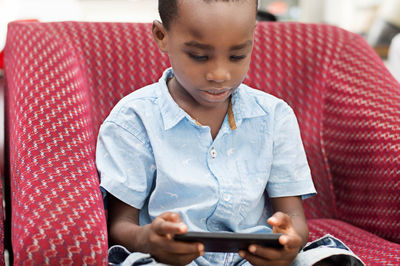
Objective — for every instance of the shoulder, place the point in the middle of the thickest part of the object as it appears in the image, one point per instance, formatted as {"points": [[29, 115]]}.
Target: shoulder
{"points": [[139, 98], [137, 101], [131, 110]]}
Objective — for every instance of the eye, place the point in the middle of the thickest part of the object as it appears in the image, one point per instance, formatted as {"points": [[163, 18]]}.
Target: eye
{"points": [[200, 58], [237, 57]]}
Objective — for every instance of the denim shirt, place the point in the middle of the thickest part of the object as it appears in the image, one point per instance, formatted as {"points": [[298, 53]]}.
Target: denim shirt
{"points": [[153, 156]]}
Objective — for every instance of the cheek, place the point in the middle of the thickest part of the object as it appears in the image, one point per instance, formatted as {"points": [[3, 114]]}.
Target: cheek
{"points": [[185, 69], [179, 61], [240, 70], [187, 75]]}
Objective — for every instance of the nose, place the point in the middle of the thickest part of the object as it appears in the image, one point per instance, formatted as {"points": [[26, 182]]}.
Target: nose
{"points": [[219, 74]]}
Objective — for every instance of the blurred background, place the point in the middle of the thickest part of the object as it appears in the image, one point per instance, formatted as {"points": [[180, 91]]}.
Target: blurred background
{"points": [[377, 20], [367, 17]]}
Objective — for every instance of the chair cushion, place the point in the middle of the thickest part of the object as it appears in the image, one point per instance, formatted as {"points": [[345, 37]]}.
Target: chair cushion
{"points": [[372, 250]]}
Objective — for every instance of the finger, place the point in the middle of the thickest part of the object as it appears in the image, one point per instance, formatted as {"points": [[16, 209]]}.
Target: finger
{"points": [[171, 216], [163, 227], [179, 247], [266, 253], [290, 241], [166, 245], [255, 260], [280, 222]]}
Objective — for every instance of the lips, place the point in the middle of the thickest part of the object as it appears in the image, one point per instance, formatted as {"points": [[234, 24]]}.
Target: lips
{"points": [[217, 91], [216, 95]]}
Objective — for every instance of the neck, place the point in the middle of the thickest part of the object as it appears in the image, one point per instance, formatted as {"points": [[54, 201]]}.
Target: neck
{"points": [[189, 104], [212, 117]]}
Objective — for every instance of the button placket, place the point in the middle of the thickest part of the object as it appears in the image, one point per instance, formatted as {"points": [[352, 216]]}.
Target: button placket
{"points": [[213, 153], [219, 220]]}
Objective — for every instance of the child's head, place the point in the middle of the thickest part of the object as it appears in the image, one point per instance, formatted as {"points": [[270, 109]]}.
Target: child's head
{"points": [[209, 43], [168, 9]]}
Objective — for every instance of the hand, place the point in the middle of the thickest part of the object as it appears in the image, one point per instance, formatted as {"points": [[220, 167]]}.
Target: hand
{"points": [[291, 241], [161, 245]]}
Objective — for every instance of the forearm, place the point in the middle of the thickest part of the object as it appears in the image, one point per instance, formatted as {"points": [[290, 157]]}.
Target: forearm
{"points": [[129, 235], [300, 225], [124, 228]]}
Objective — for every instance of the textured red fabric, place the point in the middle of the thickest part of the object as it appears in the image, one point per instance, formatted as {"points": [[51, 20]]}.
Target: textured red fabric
{"points": [[57, 210], [372, 249], [1, 59], [2, 211], [348, 107], [64, 78], [1, 224], [362, 138]]}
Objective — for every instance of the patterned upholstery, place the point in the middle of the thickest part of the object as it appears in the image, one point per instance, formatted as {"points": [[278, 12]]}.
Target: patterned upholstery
{"points": [[63, 78], [1, 224], [1, 59], [348, 106], [373, 250], [2, 211]]}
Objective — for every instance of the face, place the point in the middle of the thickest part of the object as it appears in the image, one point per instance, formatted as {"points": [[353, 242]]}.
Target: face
{"points": [[209, 46]]}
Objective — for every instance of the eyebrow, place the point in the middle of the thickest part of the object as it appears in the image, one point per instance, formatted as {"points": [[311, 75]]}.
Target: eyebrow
{"points": [[198, 45], [241, 46], [202, 46]]}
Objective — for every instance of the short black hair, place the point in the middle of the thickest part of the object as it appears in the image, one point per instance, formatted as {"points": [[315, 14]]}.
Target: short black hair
{"points": [[168, 10]]}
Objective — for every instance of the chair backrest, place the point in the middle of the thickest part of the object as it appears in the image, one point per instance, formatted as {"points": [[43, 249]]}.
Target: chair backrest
{"points": [[346, 102]]}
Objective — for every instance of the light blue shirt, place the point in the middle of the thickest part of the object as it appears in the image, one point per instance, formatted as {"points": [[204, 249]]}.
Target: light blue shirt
{"points": [[153, 156]]}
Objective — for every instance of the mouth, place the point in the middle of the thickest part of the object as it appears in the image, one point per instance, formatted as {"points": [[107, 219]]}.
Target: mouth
{"points": [[217, 91], [216, 94]]}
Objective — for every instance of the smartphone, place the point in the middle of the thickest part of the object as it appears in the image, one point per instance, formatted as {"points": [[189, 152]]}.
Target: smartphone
{"points": [[230, 242]]}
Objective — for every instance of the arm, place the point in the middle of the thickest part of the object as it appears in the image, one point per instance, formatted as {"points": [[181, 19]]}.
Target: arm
{"points": [[155, 238], [288, 219], [293, 207]]}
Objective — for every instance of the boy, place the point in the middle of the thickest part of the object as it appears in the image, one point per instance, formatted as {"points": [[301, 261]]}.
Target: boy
{"points": [[200, 151]]}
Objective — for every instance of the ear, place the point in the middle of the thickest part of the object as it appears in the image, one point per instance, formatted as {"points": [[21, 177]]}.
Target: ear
{"points": [[160, 35]]}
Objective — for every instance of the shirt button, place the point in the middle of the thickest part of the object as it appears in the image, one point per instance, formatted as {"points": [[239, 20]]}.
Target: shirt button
{"points": [[227, 197], [213, 153]]}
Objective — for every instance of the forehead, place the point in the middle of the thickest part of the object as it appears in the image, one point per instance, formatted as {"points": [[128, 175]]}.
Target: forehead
{"points": [[215, 19]]}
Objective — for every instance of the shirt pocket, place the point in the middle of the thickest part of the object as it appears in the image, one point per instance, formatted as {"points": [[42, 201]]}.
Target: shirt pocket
{"points": [[253, 181]]}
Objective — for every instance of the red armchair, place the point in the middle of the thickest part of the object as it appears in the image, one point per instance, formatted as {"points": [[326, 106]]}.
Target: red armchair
{"points": [[63, 79], [2, 224]]}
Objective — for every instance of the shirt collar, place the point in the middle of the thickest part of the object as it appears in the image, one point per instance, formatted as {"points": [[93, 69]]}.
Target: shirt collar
{"points": [[242, 106], [245, 104], [171, 113]]}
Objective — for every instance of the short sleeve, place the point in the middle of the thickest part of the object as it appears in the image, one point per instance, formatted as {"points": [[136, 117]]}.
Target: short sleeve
{"points": [[290, 174], [125, 164]]}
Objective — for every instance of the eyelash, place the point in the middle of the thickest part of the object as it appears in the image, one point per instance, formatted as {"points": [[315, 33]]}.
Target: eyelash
{"points": [[200, 58], [203, 58], [237, 57]]}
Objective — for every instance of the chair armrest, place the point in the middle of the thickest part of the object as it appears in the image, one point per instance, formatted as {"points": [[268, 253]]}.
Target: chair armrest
{"points": [[361, 136], [57, 210], [2, 181]]}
